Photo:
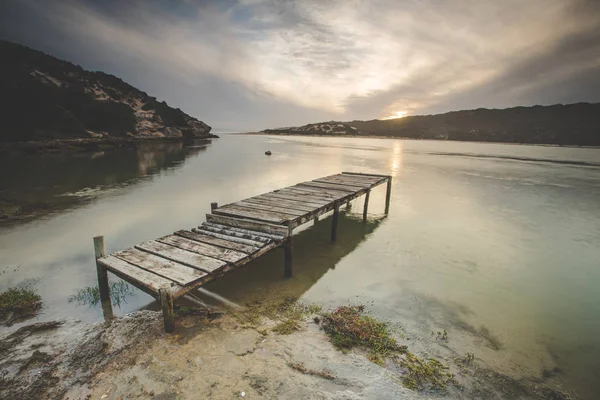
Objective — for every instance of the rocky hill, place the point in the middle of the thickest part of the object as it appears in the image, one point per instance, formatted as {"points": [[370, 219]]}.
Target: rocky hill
{"points": [[43, 98], [323, 128], [571, 124]]}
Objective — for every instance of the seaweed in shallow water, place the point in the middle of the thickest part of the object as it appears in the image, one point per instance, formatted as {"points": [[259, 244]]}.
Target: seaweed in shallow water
{"points": [[90, 295]]}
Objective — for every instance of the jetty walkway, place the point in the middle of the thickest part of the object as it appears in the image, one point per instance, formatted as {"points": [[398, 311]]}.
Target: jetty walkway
{"points": [[234, 234]]}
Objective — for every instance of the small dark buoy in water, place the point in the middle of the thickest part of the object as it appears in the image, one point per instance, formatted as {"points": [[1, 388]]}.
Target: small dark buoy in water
{"points": [[268, 152]]}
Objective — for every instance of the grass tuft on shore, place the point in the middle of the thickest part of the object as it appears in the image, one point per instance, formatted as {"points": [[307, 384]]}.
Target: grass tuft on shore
{"points": [[18, 303], [288, 311], [424, 374], [348, 326]]}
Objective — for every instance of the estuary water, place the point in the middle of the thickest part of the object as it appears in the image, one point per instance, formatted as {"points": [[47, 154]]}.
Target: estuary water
{"points": [[497, 244]]}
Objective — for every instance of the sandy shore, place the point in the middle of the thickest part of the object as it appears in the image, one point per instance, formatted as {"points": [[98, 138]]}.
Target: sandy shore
{"points": [[223, 358]]}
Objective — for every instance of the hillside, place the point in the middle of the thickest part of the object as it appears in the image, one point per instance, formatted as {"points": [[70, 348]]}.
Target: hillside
{"points": [[43, 98], [572, 124], [322, 128]]}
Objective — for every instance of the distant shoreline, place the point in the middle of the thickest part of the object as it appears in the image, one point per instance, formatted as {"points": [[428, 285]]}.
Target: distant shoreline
{"points": [[57, 146], [413, 139]]}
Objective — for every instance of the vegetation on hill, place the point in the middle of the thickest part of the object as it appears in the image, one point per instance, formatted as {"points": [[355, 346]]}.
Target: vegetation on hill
{"points": [[42, 98], [572, 124]]}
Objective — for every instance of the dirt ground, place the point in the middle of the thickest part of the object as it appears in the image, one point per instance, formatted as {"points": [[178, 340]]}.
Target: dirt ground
{"points": [[132, 358]]}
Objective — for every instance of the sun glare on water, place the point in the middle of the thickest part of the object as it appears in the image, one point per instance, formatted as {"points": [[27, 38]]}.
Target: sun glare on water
{"points": [[399, 114]]}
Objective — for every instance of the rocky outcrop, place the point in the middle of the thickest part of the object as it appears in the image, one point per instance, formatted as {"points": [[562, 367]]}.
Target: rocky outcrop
{"points": [[323, 128], [44, 98]]}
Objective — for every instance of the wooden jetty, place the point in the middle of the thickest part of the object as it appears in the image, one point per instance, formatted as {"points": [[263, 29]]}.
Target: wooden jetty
{"points": [[169, 267]]}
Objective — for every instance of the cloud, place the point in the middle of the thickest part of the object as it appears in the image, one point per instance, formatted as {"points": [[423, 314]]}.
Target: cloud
{"points": [[274, 62]]}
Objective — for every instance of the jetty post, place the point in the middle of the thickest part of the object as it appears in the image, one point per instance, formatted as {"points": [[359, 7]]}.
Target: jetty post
{"points": [[102, 274], [287, 249], [334, 220], [287, 252], [166, 302], [388, 195], [366, 207], [214, 206]]}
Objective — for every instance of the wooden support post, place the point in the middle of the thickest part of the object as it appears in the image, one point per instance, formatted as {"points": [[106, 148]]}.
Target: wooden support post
{"points": [[287, 248], [316, 219], [388, 195], [334, 221], [166, 302], [102, 274], [214, 206], [348, 206], [366, 206]]}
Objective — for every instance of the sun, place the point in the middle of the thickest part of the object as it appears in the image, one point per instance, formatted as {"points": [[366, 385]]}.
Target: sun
{"points": [[399, 114]]}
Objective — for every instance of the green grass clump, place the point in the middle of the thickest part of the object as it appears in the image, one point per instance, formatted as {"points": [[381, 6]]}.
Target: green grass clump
{"points": [[425, 374], [347, 327], [18, 297], [293, 315], [18, 304], [287, 310]]}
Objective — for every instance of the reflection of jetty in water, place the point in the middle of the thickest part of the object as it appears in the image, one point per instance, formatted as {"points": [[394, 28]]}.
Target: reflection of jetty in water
{"points": [[35, 185], [314, 256]]}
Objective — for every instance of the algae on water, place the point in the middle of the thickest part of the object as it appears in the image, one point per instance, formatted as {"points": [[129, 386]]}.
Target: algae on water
{"points": [[90, 295]]}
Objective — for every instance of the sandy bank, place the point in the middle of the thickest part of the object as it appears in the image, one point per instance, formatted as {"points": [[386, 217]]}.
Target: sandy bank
{"points": [[223, 358]]}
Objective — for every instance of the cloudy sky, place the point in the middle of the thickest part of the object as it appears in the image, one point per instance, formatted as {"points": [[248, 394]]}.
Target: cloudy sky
{"points": [[254, 64]]}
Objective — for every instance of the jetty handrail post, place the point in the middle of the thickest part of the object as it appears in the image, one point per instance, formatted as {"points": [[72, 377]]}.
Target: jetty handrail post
{"points": [[366, 207], [166, 303], [213, 206], [388, 195], [102, 274], [334, 221]]}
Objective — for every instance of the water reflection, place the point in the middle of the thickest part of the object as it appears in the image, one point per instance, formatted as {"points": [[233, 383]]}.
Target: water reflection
{"points": [[36, 185]]}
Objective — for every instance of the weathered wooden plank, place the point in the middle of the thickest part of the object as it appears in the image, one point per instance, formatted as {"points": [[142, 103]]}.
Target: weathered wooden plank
{"points": [[224, 230], [176, 272], [247, 232], [349, 181], [250, 207], [281, 195], [309, 196], [140, 278], [330, 195], [185, 289], [352, 186], [357, 178], [363, 174], [331, 186], [205, 249], [247, 224], [252, 214], [294, 205], [226, 244], [307, 192], [319, 191], [234, 239], [267, 207], [353, 179], [180, 256]]}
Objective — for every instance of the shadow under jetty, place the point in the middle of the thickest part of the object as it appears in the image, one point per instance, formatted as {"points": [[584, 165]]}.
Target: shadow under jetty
{"points": [[314, 255]]}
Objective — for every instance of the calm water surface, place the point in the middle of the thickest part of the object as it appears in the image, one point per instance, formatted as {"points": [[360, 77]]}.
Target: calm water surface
{"points": [[498, 244]]}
